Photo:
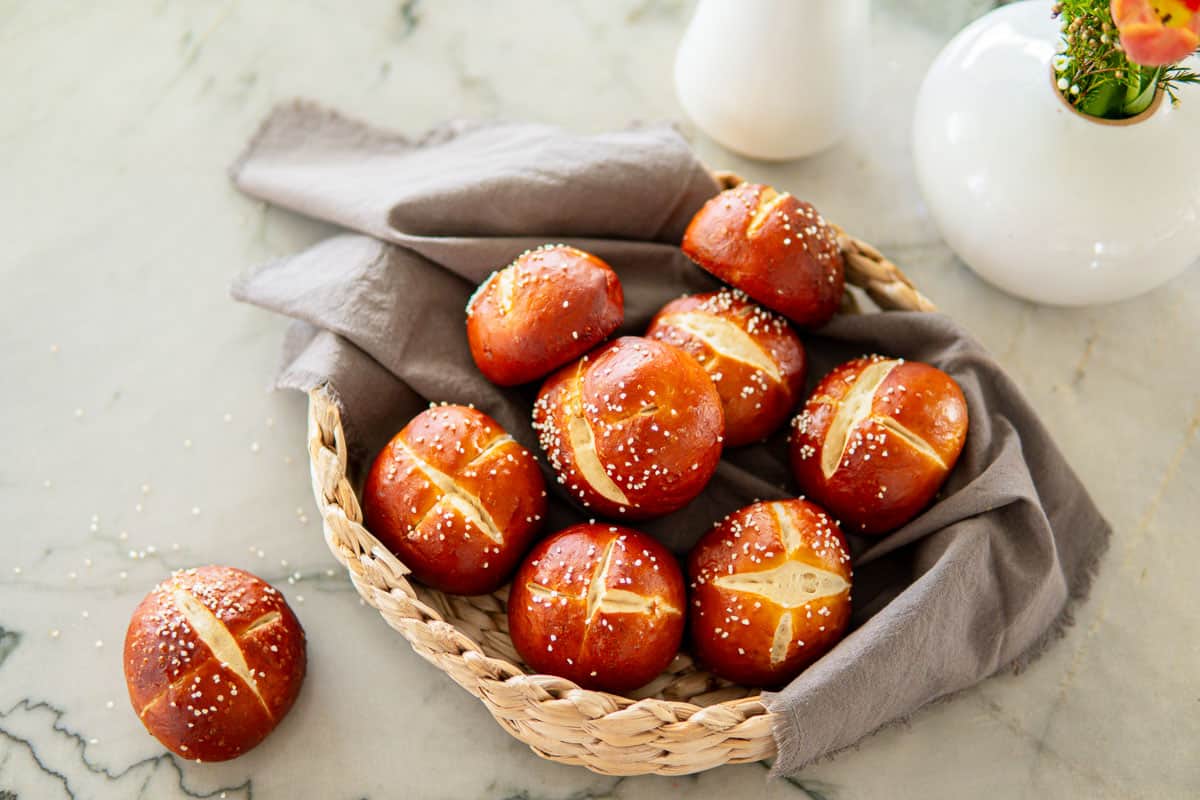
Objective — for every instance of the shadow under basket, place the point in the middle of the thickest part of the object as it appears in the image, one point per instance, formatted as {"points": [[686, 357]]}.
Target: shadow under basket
{"points": [[686, 721]]}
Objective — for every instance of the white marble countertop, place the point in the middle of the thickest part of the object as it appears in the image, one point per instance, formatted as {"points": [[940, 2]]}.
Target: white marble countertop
{"points": [[140, 436]]}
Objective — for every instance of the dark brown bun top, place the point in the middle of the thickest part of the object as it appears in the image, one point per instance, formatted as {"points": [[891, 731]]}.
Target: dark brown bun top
{"points": [[456, 498], [753, 356], [601, 605], [547, 308], [214, 658], [876, 440], [775, 248], [634, 429], [770, 591]]}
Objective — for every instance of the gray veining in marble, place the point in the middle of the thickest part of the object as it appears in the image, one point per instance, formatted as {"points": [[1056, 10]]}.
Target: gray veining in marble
{"points": [[139, 435]]}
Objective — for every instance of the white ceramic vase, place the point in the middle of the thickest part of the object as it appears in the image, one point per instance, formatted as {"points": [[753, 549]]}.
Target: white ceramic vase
{"points": [[1039, 200], [774, 79]]}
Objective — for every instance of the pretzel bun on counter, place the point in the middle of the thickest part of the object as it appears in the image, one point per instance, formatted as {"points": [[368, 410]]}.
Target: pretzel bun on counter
{"points": [[456, 498], [770, 592], [600, 605], [633, 429], [753, 356], [544, 310], [773, 247], [876, 440], [214, 659]]}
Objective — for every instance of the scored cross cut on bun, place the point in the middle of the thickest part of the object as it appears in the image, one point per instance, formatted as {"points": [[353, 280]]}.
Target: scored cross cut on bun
{"points": [[753, 356], [633, 429], [877, 439], [770, 591], [775, 248], [456, 498], [601, 605], [214, 659], [547, 308]]}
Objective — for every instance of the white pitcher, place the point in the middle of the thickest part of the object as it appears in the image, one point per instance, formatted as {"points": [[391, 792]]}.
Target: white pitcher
{"points": [[774, 79]]}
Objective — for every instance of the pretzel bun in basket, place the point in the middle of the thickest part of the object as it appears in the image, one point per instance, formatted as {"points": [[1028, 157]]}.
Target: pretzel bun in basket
{"points": [[214, 659], [876, 440], [633, 429], [770, 592], [601, 605], [545, 309], [773, 247], [753, 356], [456, 498]]}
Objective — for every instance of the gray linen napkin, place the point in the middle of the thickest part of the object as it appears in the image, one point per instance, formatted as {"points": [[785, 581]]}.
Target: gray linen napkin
{"points": [[980, 581]]}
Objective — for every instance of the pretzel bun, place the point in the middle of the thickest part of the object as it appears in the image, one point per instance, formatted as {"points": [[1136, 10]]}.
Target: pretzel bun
{"points": [[545, 309], [600, 605], [753, 356], [633, 429], [770, 592], [773, 247], [877, 439], [214, 659], [456, 499]]}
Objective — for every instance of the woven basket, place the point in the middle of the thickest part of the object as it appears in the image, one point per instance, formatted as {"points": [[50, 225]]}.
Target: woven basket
{"points": [[685, 721]]}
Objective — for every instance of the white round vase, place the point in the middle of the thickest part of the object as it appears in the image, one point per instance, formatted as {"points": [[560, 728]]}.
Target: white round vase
{"points": [[774, 79], [1039, 200]]}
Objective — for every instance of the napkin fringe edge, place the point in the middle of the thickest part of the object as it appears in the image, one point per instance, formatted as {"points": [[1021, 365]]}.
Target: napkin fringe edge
{"points": [[785, 727]]}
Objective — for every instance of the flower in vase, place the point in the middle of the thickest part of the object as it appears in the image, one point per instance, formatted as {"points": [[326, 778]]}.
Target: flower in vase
{"points": [[1157, 32]]}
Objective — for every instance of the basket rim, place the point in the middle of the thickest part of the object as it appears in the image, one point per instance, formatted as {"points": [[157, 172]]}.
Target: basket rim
{"points": [[604, 732]]}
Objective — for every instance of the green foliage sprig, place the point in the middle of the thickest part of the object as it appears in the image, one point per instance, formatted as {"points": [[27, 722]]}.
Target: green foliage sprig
{"points": [[1093, 73]]}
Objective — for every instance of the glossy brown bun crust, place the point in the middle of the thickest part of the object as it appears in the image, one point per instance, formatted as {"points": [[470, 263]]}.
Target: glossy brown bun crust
{"points": [[633, 429], [877, 439], [773, 247], [542, 311], [753, 356], [770, 592], [456, 499], [600, 605], [214, 659]]}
